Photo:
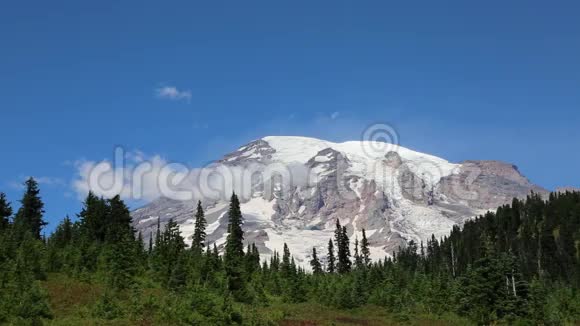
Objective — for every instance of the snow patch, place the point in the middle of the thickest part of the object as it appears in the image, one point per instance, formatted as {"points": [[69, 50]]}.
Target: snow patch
{"points": [[149, 219], [258, 209], [366, 164]]}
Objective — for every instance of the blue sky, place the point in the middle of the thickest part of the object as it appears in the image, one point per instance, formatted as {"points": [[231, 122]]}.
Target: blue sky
{"points": [[461, 80]]}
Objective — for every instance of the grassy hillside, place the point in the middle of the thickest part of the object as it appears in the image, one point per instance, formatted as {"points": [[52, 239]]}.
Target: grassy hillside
{"points": [[75, 302]]}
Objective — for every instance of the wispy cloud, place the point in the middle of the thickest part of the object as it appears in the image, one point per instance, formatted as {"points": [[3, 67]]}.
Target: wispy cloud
{"points": [[47, 181], [122, 179], [173, 93], [334, 115], [198, 125], [51, 181], [15, 185]]}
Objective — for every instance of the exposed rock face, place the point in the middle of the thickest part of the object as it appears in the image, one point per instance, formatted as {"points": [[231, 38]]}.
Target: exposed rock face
{"points": [[396, 196], [567, 189], [487, 184], [255, 151]]}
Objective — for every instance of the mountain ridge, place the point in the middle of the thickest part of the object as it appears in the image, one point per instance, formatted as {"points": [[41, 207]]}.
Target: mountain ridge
{"points": [[394, 193]]}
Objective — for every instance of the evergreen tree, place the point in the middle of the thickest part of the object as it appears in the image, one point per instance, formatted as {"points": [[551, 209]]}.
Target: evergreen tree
{"points": [[5, 212], [29, 217], [21, 295], [315, 263], [150, 248], [120, 261], [158, 232], [178, 276], [63, 235], [93, 217], [234, 250], [275, 262], [338, 235], [342, 242], [141, 251], [32, 252], [330, 258], [365, 251], [216, 260], [295, 291], [198, 241], [359, 292], [286, 267], [340, 267], [167, 252], [119, 220], [252, 259], [358, 259]]}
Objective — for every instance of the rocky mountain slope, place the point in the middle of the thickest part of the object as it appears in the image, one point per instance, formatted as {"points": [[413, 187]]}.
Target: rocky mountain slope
{"points": [[294, 188]]}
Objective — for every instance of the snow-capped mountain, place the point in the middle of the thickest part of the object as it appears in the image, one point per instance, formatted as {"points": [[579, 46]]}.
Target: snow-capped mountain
{"points": [[293, 189]]}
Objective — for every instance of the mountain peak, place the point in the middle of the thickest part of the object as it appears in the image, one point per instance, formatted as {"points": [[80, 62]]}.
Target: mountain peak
{"points": [[394, 193]]}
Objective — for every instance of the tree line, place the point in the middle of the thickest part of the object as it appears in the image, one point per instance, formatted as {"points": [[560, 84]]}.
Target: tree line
{"points": [[520, 263]]}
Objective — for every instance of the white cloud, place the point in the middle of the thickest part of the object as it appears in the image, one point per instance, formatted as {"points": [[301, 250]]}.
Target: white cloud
{"points": [[334, 115], [172, 93], [136, 176]]}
